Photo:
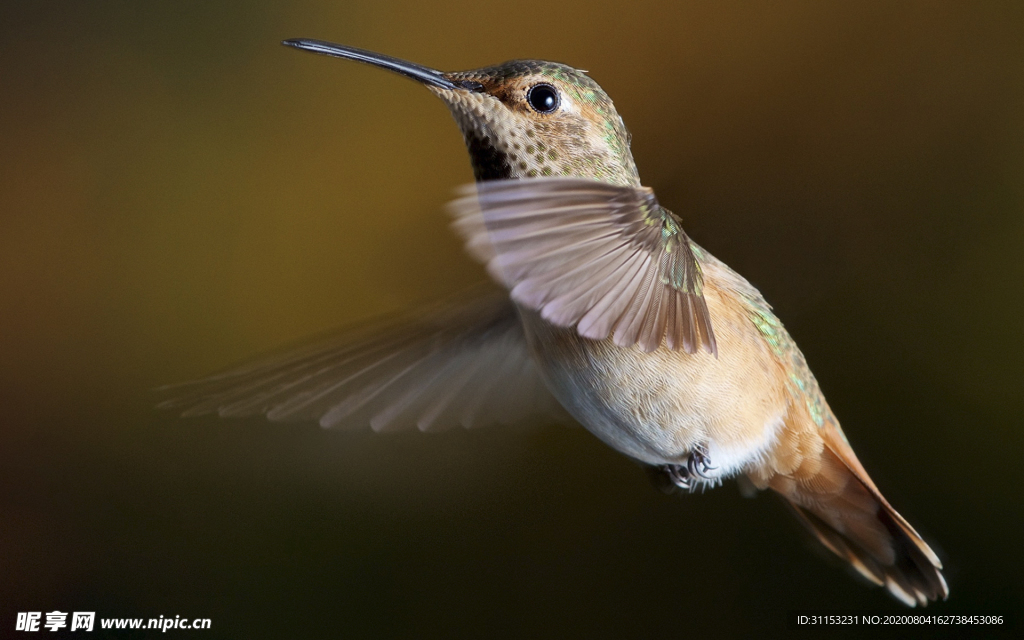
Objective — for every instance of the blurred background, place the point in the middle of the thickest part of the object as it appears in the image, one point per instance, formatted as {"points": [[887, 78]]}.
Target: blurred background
{"points": [[179, 192]]}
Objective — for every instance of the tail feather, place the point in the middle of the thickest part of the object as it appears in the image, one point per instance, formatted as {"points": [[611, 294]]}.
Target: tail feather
{"points": [[905, 568], [833, 496]]}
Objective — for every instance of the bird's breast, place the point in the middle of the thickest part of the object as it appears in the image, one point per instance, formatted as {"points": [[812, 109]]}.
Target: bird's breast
{"points": [[656, 407]]}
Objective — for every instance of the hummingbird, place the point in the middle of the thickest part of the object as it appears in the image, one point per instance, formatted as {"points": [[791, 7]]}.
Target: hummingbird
{"points": [[609, 315]]}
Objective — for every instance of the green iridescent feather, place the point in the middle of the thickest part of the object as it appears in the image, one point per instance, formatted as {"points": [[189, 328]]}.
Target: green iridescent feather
{"points": [[801, 383]]}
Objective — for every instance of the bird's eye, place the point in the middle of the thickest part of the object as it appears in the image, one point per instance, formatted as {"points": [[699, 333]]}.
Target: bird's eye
{"points": [[543, 98]]}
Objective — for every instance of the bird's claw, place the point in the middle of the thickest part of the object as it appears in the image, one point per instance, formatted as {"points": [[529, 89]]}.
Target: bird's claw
{"points": [[679, 476], [689, 476], [699, 464]]}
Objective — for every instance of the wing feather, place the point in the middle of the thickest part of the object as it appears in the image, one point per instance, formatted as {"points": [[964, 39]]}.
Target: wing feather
{"points": [[466, 364], [606, 259]]}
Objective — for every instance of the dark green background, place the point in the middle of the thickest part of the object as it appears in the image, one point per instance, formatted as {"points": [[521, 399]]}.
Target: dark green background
{"points": [[178, 192]]}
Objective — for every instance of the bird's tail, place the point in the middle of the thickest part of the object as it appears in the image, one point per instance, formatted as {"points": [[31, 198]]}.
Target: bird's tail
{"points": [[834, 497]]}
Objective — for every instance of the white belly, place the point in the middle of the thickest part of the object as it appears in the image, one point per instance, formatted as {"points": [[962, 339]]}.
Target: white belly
{"points": [[657, 407]]}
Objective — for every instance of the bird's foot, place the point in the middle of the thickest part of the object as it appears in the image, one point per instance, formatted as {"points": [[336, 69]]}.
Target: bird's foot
{"points": [[699, 463], [679, 476], [669, 478], [690, 476]]}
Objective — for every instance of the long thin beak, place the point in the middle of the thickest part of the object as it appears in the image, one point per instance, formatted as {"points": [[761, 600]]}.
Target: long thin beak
{"points": [[423, 74]]}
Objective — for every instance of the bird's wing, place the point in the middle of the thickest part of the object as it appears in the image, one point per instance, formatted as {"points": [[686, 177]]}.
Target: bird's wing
{"points": [[608, 260], [464, 364]]}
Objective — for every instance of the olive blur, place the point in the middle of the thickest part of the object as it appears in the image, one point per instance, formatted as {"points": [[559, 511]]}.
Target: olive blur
{"points": [[180, 192]]}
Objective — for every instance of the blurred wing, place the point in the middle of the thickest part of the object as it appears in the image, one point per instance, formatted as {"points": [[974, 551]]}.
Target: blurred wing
{"points": [[466, 365], [609, 260]]}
